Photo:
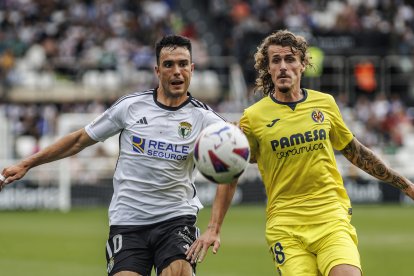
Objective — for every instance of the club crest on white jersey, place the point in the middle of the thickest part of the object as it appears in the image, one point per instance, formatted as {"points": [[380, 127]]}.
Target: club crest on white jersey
{"points": [[184, 129]]}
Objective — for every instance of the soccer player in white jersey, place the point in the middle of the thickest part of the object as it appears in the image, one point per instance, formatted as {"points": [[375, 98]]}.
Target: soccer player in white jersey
{"points": [[153, 210]]}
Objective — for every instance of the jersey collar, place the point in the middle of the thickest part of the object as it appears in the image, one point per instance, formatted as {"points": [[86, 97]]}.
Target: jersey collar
{"points": [[292, 105], [171, 108]]}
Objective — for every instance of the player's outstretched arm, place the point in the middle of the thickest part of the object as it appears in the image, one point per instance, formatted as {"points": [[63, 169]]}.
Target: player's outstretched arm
{"points": [[64, 147], [211, 237], [365, 159]]}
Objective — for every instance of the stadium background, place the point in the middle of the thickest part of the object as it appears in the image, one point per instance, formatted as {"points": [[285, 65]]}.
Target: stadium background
{"points": [[63, 62]]}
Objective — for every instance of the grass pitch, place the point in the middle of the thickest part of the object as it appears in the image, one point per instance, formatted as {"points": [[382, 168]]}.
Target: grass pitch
{"points": [[67, 244]]}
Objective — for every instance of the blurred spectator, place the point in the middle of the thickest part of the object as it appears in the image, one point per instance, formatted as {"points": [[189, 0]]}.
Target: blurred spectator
{"points": [[381, 122], [7, 61], [365, 76]]}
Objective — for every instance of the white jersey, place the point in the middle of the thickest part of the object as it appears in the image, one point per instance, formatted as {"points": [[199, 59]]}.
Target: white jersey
{"points": [[154, 175]]}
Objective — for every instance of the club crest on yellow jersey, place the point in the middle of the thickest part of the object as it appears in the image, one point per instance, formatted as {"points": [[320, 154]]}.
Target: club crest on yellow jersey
{"points": [[318, 116]]}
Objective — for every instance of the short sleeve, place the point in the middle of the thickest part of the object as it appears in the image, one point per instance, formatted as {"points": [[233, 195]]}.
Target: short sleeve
{"points": [[247, 129], [107, 124], [212, 117], [340, 134]]}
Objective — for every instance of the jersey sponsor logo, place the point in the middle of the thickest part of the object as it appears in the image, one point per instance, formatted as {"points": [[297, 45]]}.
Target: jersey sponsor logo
{"points": [[299, 138], [184, 129], [318, 116], [273, 123], [160, 149], [295, 143], [138, 144]]}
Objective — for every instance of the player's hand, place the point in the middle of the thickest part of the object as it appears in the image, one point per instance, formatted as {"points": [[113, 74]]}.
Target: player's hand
{"points": [[12, 174], [198, 250]]}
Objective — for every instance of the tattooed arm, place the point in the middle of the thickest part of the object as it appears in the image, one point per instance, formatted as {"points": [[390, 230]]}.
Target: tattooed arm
{"points": [[366, 160]]}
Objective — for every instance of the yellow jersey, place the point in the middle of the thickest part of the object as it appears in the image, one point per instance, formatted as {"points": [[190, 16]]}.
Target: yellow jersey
{"points": [[293, 145]]}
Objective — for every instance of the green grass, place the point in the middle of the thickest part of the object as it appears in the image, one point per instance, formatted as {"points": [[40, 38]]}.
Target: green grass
{"points": [[59, 244], [386, 239]]}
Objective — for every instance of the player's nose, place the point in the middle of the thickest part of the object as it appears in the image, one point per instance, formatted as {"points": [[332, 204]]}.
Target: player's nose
{"points": [[176, 70]]}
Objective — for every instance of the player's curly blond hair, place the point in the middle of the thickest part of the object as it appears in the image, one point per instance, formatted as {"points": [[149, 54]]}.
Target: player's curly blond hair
{"points": [[283, 38]]}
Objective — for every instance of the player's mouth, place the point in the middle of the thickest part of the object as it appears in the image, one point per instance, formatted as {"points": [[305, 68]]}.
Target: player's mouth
{"points": [[283, 77], [177, 82]]}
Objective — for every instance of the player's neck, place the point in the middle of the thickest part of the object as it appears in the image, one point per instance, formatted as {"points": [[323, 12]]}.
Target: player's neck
{"points": [[289, 96], [169, 99]]}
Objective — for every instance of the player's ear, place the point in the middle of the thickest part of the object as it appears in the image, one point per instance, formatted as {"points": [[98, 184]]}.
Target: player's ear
{"points": [[303, 68]]}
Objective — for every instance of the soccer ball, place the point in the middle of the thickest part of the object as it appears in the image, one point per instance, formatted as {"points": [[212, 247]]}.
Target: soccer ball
{"points": [[221, 152]]}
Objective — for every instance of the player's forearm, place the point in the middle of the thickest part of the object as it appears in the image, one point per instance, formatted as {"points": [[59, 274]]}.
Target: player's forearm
{"points": [[222, 201], [64, 147], [365, 159]]}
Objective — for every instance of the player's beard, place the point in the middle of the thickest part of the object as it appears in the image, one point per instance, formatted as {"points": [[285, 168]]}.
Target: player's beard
{"points": [[284, 89], [172, 93]]}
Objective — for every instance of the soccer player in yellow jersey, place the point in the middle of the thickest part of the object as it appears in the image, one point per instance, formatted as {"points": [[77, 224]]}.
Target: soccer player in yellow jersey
{"points": [[293, 133]]}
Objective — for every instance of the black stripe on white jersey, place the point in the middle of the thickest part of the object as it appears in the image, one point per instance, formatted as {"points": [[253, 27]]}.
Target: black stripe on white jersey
{"points": [[197, 103], [119, 146], [136, 94]]}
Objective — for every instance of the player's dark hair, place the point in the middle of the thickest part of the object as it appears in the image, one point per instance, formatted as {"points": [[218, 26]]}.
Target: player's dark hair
{"points": [[282, 38], [172, 41]]}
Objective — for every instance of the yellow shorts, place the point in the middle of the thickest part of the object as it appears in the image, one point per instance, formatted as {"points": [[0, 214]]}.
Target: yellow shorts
{"points": [[311, 250]]}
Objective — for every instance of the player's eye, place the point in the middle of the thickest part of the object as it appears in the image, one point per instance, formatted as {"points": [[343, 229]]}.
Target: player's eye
{"points": [[275, 60], [290, 59]]}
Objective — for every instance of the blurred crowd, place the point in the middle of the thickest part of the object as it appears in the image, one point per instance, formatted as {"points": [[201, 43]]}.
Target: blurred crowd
{"points": [[383, 123], [247, 17], [68, 37], [383, 26], [64, 39]]}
